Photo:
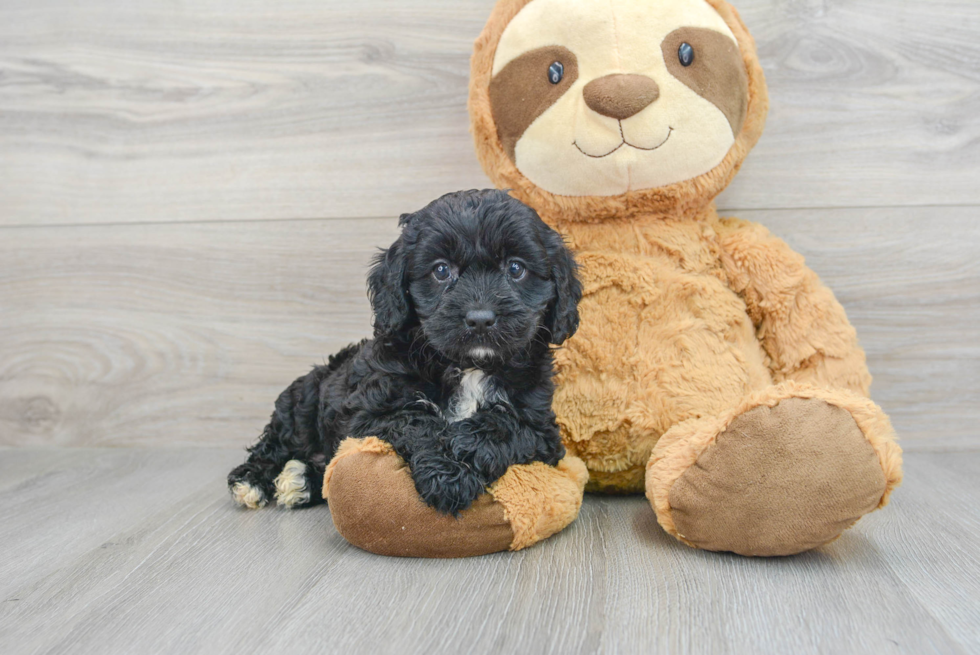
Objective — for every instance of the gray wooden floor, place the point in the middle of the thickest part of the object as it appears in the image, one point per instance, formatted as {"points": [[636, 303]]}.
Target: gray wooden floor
{"points": [[141, 551]]}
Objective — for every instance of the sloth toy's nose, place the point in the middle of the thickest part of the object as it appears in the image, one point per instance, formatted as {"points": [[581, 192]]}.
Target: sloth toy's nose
{"points": [[620, 96]]}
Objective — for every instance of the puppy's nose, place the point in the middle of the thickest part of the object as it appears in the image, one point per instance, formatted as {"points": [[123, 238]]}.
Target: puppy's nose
{"points": [[620, 96], [480, 319]]}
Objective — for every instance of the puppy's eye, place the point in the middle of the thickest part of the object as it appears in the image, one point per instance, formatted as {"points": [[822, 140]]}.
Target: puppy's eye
{"points": [[516, 270], [441, 271], [685, 53], [556, 72]]}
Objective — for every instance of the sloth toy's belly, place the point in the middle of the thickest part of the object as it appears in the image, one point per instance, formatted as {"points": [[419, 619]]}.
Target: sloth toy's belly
{"points": [[656, 346]]}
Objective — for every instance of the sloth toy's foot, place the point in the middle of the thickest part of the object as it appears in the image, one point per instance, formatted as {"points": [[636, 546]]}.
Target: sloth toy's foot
{"points": [[787, 471], [375, 506]]}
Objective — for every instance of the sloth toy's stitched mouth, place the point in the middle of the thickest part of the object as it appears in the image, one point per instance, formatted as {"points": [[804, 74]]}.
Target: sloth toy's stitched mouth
{"points": [[624, 142]]}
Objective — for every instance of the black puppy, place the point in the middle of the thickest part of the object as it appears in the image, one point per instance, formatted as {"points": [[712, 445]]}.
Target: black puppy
{"points": [[458, 377]]}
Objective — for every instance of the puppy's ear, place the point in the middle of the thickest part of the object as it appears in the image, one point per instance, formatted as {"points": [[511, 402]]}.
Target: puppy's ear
{"points": [[388, 286], [562, 318]]}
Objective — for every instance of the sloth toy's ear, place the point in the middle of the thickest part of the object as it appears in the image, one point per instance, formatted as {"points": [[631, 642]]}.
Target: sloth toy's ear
{"points": [[562, 318], [388, 286]]}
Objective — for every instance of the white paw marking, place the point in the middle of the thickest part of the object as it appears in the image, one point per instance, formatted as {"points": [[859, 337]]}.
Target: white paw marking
{"points": [[291, 487], [248, 496]]}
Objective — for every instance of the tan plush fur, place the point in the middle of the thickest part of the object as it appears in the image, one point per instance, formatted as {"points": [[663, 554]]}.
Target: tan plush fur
{"points": [[540, 500], [688, 319]]}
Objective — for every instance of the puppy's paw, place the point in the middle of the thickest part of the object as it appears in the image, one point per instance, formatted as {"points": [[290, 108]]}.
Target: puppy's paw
{"points": [[247, 496], [444, 484], [292, 488]]}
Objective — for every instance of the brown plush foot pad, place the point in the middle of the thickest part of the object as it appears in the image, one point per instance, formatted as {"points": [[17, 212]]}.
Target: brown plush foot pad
{"points": [[374, 505], [799, 474], [782, 476]]}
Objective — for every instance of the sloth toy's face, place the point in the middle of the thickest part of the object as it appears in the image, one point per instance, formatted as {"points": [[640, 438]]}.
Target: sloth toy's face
{"points": [[602, 97]]}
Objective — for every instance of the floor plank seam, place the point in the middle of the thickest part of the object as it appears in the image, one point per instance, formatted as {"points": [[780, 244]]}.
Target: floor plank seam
{"points": [[724, 211]]}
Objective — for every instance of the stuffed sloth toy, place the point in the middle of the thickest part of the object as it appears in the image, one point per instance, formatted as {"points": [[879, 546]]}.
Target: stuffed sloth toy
{"points": [[711, 369]]}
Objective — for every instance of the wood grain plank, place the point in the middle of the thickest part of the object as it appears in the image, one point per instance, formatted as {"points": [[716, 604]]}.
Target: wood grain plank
{"points": [[20, 464], [869, 100], [167, 111], [204, 575], [172, 334], [185, 333], [81, 497], [939, 498]]}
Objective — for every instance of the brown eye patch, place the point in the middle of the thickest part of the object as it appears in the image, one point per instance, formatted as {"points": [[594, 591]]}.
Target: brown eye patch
{"points": [[710, 64], [523, 90]]}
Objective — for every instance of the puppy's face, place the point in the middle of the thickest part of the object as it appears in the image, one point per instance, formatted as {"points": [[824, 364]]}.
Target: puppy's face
{"points": [[480, 282], [481, 274]]}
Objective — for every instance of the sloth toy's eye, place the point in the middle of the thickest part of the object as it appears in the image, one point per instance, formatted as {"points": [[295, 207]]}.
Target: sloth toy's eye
{"points": [[686, 54], [441, 271], [556, 72]]}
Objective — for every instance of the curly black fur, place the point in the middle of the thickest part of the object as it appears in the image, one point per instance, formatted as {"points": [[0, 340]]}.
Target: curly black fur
{"points": [[408, 385]]}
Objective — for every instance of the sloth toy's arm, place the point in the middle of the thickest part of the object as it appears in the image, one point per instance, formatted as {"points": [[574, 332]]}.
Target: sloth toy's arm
{"points": [[798, 321]]}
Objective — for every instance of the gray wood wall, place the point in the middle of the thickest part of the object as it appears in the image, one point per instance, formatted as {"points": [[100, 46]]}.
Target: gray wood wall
{"points": [[190, 192]]}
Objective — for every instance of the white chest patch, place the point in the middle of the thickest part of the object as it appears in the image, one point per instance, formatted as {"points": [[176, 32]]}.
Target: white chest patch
{"points": [[475, 390], [470, 394]]}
